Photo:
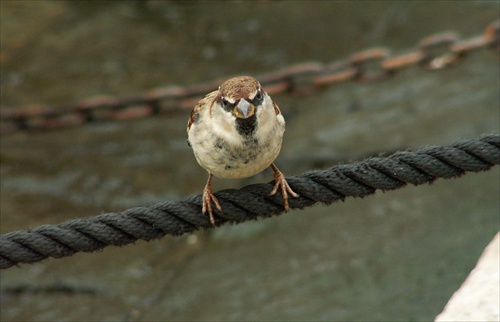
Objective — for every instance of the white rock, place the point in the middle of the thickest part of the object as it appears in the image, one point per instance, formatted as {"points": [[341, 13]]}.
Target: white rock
{"points": [[478, 299]]}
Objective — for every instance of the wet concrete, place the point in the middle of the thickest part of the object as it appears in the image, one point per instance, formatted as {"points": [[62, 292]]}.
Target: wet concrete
{"points": [[393, 256]]}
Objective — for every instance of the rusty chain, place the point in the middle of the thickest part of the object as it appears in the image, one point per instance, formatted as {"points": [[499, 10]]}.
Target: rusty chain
{"points": [[434, 52]]}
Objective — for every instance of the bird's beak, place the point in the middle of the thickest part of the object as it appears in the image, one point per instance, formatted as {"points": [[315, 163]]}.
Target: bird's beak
{"points": [[244, 109]]}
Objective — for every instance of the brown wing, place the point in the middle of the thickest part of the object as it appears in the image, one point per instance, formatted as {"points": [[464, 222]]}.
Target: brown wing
{"points": [[205, 102], [276, 109]]}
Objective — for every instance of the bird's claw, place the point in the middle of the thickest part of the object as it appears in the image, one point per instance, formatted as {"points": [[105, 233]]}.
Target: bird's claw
{"points": [[281, 182], [208, 197]]}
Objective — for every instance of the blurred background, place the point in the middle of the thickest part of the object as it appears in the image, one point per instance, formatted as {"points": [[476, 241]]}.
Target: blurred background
{"points": [[393, 256]]}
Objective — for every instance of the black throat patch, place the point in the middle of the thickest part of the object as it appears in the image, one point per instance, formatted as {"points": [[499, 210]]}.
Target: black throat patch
{"points": [[246, 127]]}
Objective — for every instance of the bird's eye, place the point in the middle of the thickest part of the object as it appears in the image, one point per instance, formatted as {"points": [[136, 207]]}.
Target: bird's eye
{"points": [[258, 97], [225, 104]]}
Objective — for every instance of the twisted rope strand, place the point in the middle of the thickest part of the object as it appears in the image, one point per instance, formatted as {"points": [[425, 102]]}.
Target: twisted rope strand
{"points": [[250, 202]]}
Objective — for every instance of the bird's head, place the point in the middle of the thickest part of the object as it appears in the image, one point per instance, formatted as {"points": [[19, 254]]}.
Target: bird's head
{"points": [[241, 99], [241, 96]]}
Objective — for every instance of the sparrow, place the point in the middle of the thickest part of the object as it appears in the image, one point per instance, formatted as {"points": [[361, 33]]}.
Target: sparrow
{"points": [[236, 132]]}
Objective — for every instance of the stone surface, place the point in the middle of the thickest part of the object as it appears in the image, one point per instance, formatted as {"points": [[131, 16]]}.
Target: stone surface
{"points": [[478, 299]]}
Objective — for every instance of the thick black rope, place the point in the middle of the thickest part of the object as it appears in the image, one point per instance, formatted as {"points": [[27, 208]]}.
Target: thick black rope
{"points": [[250, 202]]}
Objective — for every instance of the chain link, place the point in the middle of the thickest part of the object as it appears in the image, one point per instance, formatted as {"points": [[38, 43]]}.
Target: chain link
{"points": [[435, 52]]}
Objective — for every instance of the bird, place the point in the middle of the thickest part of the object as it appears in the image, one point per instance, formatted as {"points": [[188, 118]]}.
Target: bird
{"points": [[236, 131]]}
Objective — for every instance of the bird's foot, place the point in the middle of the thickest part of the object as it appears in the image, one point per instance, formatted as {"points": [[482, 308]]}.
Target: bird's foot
{"points": [[208, 197], [280, 180]]}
